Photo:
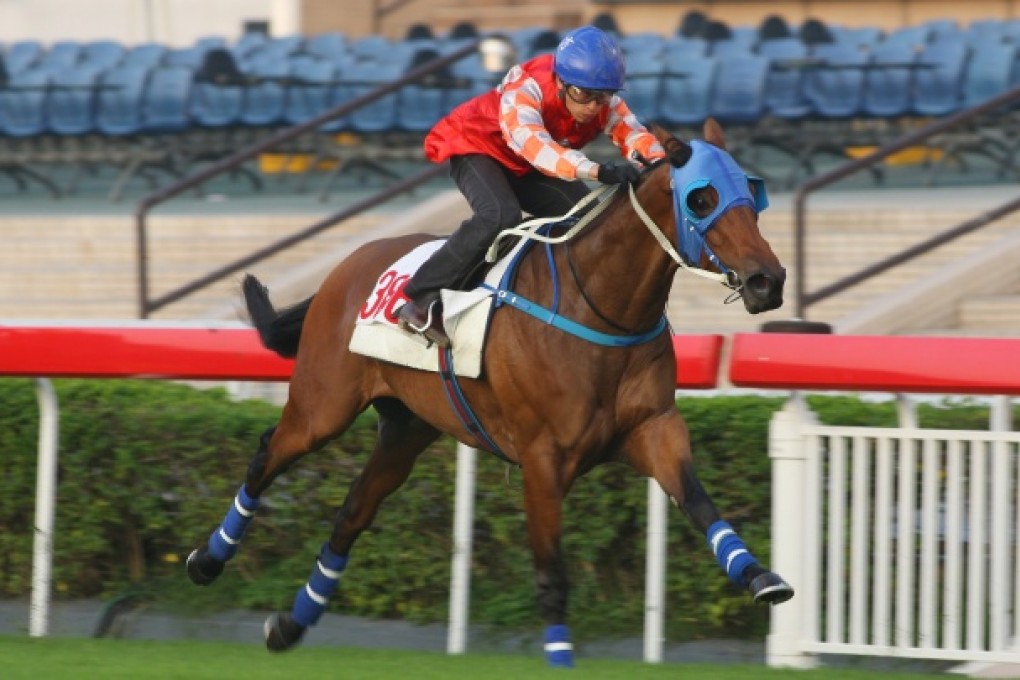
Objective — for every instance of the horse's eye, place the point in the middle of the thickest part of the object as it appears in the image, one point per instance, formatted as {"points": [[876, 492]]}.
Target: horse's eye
{"points": [[701, 202]]}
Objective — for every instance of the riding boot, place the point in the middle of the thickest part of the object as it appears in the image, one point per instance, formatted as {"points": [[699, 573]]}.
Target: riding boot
{"points": [[449, 267]]}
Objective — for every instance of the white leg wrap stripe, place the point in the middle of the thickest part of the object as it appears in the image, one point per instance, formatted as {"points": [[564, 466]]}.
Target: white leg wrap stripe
{"points": [[319, 599], [328, 573], [559, 647], [719, 537], [228, 539], [240, 508], [729, 560]]}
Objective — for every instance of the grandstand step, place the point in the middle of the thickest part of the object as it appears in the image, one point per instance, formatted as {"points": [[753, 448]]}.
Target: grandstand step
{"points": [[989, 312]]}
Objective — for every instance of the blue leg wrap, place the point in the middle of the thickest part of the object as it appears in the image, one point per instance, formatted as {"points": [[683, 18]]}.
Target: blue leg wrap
{"points": [[559, 652], [730, 551], [310, 602], [223, 542]]}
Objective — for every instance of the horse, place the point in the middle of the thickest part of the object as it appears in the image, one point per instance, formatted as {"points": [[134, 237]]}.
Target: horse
{"points": [[552, 399]]}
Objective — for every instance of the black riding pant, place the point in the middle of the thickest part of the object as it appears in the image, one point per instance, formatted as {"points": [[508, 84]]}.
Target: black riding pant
{"points": [[497, 198]]}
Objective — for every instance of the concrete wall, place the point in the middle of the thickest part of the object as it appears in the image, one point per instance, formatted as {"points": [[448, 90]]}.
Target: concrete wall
{"points": [[173, 22], [180, 22], [664, 17]]}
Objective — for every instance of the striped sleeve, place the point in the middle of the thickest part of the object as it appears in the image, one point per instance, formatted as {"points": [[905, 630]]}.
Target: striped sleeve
{"points": [[629, 135], [524, 130]]}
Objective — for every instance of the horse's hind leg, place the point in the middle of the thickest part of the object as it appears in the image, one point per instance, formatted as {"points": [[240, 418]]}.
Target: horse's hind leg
{"points": [[662, 450], [401, 438], [298, 433]]}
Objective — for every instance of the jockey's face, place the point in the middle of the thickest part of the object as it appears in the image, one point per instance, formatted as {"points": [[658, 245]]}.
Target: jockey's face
{"points": [[583, 104]]}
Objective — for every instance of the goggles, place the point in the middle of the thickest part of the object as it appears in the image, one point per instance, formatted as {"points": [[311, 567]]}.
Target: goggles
{"points": [[583, 96]]}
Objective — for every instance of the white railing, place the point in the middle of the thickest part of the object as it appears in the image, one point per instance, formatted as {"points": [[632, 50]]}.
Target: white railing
{"points": [[902, 541]]}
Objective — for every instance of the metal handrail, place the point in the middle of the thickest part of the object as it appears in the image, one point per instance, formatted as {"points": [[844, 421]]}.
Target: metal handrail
{"points": [[803, 298], [145, 206]]}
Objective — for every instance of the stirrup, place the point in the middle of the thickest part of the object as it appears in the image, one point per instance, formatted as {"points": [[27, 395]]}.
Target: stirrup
{"points": [[427, 323]]}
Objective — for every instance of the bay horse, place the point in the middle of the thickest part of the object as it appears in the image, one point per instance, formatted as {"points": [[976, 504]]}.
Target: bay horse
{"points": [[555, 402]]}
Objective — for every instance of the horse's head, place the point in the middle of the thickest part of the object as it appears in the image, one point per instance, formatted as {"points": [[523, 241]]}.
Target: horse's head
{"points": [[715, 211]]}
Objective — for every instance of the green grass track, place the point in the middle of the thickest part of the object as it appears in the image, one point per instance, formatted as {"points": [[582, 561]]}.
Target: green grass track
{"points": [[66, 658]]}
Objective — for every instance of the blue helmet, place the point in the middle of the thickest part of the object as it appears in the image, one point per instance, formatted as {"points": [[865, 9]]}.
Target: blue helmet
{"points": [[589, 58]]}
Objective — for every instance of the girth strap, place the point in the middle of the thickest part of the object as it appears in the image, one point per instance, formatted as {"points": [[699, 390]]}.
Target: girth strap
{"points": [[461, 407]]}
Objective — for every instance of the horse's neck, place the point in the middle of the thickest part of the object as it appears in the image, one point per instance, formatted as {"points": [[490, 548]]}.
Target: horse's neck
{"points": [[620, 267]]}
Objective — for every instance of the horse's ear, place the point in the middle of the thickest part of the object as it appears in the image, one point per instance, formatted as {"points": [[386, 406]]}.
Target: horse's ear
{"points": [[713, 133], [679, 151]]}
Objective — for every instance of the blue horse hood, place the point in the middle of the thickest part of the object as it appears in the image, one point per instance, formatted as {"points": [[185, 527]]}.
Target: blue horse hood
{"points": [[710, 166]]}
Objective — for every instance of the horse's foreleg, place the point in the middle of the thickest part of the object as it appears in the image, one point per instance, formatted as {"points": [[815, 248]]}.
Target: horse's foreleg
{"points": [[728, 547], [674, 472], [400, 442], [543, 499]]}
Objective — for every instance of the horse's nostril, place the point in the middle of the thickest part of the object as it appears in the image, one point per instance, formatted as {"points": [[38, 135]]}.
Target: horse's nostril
{"points": [[760, 285]]}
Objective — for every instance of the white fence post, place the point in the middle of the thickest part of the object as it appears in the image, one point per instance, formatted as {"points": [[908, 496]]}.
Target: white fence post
{"points": [[655, 573], [460, 571], [788, 526], [45, 502]]}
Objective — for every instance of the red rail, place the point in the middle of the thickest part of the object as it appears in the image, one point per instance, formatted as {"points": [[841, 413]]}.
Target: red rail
{"points": [[924, 364], [761, 360], [225, 353]]}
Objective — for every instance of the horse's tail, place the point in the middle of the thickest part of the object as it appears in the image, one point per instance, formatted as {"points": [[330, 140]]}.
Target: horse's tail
{"points": [[280, 330]]}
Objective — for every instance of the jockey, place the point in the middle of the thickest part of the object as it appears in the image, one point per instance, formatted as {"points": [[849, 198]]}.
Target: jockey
{"points": [[516, 148]]}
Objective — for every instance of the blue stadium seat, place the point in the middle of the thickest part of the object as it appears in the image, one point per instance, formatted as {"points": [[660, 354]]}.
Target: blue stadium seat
{"points": [[636, 44], [938, 89], [23, 55], [687, 84], [145, 55], [863, 37], [942, 29], [248, 45], [644, 84], [889, 80], [23, 105], [103, 54], [420, 106], [739, 93], [836, 87], [167, 100], [187, 57], [329, 46], [61, 54], [677, 47], [784, 92], [992, 70], [72, 105], [265, 101], [311, 92], [470, 79], [784, 84], [380, 115], [214, 106], [119, 107]]}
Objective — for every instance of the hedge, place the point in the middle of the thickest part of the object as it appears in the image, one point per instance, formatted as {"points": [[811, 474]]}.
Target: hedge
{"points": [[148, 468]]}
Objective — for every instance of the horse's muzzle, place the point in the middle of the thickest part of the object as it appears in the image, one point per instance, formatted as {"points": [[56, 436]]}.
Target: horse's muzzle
{"points": [[763, 291]]}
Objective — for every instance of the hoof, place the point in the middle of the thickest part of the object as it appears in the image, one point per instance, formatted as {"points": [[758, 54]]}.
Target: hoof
{"points": [[202, 568], [282, 632], [769, 588]]}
